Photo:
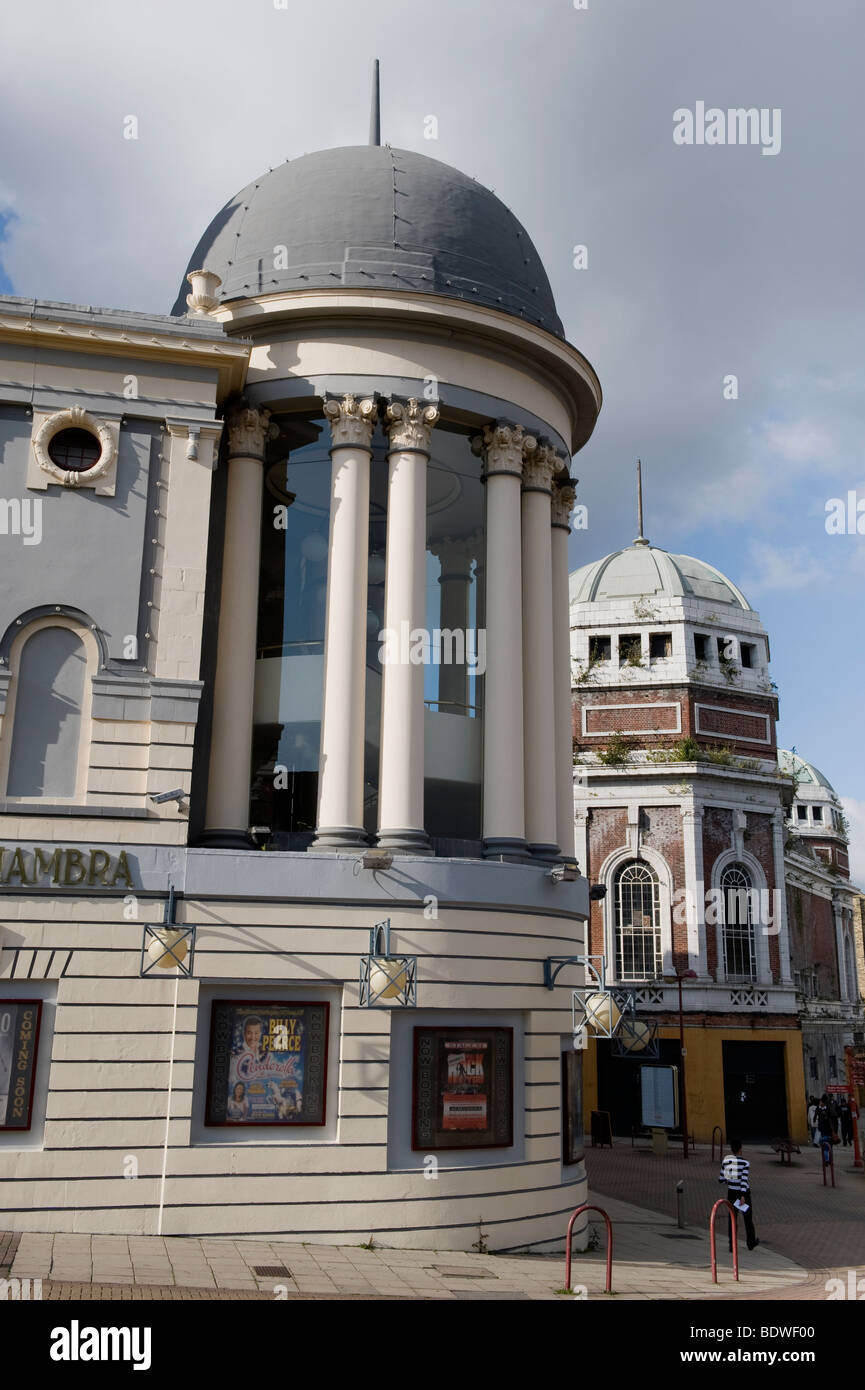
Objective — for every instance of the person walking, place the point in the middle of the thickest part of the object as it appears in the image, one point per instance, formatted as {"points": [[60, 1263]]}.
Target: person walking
{"points": [[845, 1121], [812, 1121], [736, 1173]]}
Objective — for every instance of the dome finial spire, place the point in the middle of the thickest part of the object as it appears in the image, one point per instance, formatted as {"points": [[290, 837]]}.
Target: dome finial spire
{"points": [[640, 539], [375, 108]]}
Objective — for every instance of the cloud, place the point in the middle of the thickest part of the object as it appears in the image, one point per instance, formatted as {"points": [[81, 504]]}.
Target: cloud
{"points": [[800, 442], [783, 567], [855, 813]]}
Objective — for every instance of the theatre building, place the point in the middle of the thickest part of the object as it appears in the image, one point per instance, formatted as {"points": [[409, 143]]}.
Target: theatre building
{"points": [[681, 813], [285, 752]]}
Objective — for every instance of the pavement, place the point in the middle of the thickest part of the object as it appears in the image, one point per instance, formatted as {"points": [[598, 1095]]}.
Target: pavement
{"points": [[808, 1235]]}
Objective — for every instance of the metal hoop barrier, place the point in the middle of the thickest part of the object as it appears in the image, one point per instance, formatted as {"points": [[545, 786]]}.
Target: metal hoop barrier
{"points": [[609, 1226], [718, 1130], [828, 1162], [722, 1202]]}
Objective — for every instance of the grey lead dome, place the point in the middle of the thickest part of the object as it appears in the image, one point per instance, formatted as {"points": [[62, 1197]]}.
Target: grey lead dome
{"points": [[370, 217]]}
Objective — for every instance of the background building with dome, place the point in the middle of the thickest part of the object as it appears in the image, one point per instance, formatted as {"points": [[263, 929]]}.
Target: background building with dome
{"points": [[351, 439], [689, 817]]}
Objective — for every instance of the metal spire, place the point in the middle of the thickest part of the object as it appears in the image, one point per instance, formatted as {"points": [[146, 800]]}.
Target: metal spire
{"points": [[375, 109], [641, 539]]}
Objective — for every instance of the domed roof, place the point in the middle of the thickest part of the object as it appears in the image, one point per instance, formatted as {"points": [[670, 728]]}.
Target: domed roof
{"points": [[641, 570], [374, 218], [806, 774]]}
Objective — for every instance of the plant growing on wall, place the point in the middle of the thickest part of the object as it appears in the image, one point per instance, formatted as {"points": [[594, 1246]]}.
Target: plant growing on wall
{"points": [[644, 610], [617, 751]]}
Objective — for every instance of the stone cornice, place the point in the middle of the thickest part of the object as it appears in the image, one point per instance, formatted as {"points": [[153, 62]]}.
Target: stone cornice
{"points": [[229, 356], [557, 361]]}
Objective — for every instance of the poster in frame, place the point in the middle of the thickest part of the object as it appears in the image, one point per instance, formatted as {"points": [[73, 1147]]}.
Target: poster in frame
{"points": [[20, 1021], [267, 1063], [573, 1140], [463, 1088]]}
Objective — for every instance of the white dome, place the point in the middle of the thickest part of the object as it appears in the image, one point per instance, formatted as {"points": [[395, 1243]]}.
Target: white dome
{"points": [[641, 570], [807, 775]]}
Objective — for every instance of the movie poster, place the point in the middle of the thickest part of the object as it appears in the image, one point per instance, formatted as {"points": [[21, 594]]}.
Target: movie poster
{"points": [[268, 1064], [19, 1039], [463, 1088]]}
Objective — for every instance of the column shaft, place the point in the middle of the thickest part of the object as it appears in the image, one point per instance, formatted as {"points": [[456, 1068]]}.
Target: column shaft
{"points": [[563, 501], [538, 670], [504, 826], [401, 773], [340, 788], [228, 789]]}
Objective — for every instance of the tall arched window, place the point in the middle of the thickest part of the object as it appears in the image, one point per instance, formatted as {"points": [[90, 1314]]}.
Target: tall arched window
{"points": [[638, 922], [49, 697], [740, 959]]}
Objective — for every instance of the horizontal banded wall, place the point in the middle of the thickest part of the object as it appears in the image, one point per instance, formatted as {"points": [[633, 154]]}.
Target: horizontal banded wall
{"points": [[100, 1162]]}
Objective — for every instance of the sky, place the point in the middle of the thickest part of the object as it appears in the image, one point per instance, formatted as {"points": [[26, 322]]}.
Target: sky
{"points": [[704, 261]]}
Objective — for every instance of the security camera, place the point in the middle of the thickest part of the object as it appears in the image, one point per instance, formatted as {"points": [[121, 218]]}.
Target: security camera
{"points": [[597, 892], [178, 795], [565, 872]]}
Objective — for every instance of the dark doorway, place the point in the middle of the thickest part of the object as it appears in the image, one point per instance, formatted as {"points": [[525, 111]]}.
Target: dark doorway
{"points": [[755, 1090], [619, 1083]]}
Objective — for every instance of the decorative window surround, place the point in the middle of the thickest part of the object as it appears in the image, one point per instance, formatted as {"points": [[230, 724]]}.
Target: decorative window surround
{"points": [[41, 468]]}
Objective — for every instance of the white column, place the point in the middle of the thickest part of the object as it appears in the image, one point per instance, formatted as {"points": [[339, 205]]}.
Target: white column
{"points": [[839, 948], [779, 902], [695, 895], [538, 672], [504, 824], [340, 784], [401, 772], [234, 685], [564, 495]]}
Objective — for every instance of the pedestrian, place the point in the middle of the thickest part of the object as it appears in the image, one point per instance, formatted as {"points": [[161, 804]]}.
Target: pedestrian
{"points": [[825, 1123], [845, 1120], [736, 1173], [812, 1121]]}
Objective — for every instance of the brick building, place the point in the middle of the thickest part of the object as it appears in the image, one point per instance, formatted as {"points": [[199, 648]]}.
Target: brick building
{"points": [[683, 814]]}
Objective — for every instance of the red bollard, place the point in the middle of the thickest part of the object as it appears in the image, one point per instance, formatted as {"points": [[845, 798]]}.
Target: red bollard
{"points": [[722, 1202], [609, 1226]]}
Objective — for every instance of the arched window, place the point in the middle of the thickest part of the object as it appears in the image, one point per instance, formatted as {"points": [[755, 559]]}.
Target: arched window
{"points": [[49, 697], [740, 959], [638, 922]]}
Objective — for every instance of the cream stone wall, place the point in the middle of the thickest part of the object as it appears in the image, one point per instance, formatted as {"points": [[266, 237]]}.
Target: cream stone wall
{"points": [[110, 1059]]}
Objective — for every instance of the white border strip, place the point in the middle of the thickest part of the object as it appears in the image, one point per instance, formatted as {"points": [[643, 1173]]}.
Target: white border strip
{"points": [[723, 709], [657, 704]]}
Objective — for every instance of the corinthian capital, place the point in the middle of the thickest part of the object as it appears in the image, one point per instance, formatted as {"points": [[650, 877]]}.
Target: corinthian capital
{"points": [[539, 467], [504, 447], [409, 424], [351, 421], [248, 431], [564, 497]]}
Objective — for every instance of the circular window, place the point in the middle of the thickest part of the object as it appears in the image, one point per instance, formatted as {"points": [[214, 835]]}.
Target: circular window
{"points": [[74, 450]]}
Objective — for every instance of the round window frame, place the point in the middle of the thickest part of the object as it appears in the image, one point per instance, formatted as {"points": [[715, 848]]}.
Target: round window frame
{"points": [[79, 419]]}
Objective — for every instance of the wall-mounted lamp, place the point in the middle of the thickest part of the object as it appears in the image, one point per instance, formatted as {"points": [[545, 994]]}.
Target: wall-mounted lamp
{"points": [[168, 947], [385, 977], [596, 1007], [637, 1037]]}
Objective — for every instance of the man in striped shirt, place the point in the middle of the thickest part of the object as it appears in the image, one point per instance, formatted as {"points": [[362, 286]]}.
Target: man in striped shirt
{"points": [[736, 1173]]}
